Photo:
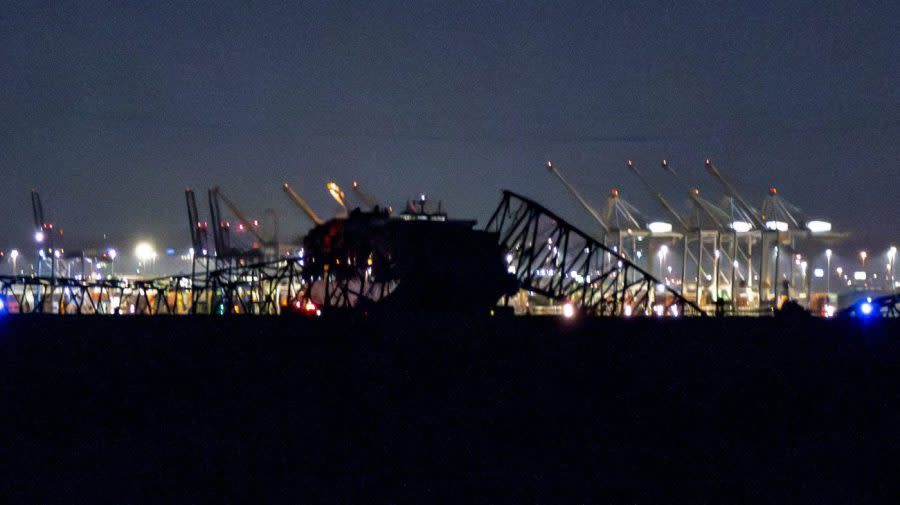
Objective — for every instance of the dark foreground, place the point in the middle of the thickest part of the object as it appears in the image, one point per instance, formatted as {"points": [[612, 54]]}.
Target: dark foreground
{"points": [[425, 409]]}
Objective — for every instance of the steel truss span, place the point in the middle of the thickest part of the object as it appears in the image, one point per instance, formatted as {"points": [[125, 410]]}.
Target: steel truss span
{"points": [[265, 288], [554, 259]]}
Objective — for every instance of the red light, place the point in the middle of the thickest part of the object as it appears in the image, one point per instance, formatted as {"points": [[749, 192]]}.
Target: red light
{"points": [[695, 191], [773, 191], [614, 192]]}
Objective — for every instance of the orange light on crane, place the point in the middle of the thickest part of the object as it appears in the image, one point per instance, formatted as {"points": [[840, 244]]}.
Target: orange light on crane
{"points": [[336, 193]]}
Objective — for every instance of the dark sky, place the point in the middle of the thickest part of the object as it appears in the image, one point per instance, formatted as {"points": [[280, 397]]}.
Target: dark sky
{"points": [[111, 108]]}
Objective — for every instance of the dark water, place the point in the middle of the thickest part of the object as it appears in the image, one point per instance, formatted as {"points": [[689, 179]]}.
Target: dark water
{"points": [[417, 409]]}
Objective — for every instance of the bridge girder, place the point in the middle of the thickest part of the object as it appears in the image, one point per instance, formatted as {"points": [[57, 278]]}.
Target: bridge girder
{"points": [[553, 258]]}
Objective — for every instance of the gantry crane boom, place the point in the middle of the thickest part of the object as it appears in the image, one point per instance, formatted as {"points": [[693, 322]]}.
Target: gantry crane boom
{"points": [[708, 209], [221, 240], [198, 241], [365, 197], [685, 228], [658, 195], [300, 202], [242, 218], [37, 210], [616, 207], [578, 197], [274, 221], [731, 191]]}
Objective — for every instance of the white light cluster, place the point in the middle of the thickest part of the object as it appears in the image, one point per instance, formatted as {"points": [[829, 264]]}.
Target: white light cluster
{"points": [[741, 226], [776, 225], [818, 226], [659, 227]]}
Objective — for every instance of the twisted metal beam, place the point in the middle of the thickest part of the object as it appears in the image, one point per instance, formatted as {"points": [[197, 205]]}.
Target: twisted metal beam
{"points": [[551, 257]]}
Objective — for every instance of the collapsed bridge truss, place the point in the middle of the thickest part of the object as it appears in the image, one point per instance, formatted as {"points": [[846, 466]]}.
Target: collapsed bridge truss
{"points": [[554, 259], [264, 288]]}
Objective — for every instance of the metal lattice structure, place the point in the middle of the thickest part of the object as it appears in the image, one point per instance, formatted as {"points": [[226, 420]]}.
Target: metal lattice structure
{"points": [[552, 258], [265, 288]]}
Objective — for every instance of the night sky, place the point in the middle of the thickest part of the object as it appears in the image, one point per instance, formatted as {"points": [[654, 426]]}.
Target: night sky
{"points": [[111, 109]]}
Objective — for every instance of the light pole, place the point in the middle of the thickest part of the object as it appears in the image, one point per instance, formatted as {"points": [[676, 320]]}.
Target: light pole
{"points": [[892, 255], [39, 240], [716, 255], [144, 253], [804, 266], [828, 277], [14, 255], [38, 295], [112, 262], [663, 251]]}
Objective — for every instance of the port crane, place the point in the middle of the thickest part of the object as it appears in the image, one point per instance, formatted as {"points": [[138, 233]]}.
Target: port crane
{"points": [[198, 228], [300, 202], [43, 231], [555, 171], [732, 192], [221, 232], [243, 221], [658, 195], [680, 222], [756, 220], [366, 198]]}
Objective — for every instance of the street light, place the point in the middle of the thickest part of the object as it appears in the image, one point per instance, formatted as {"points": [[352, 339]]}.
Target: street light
{"points": [[112, 253], [14, 254], [862, 257], [892, 255], [828, 279], [663, 251], [144, 252], [39, 238]]}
